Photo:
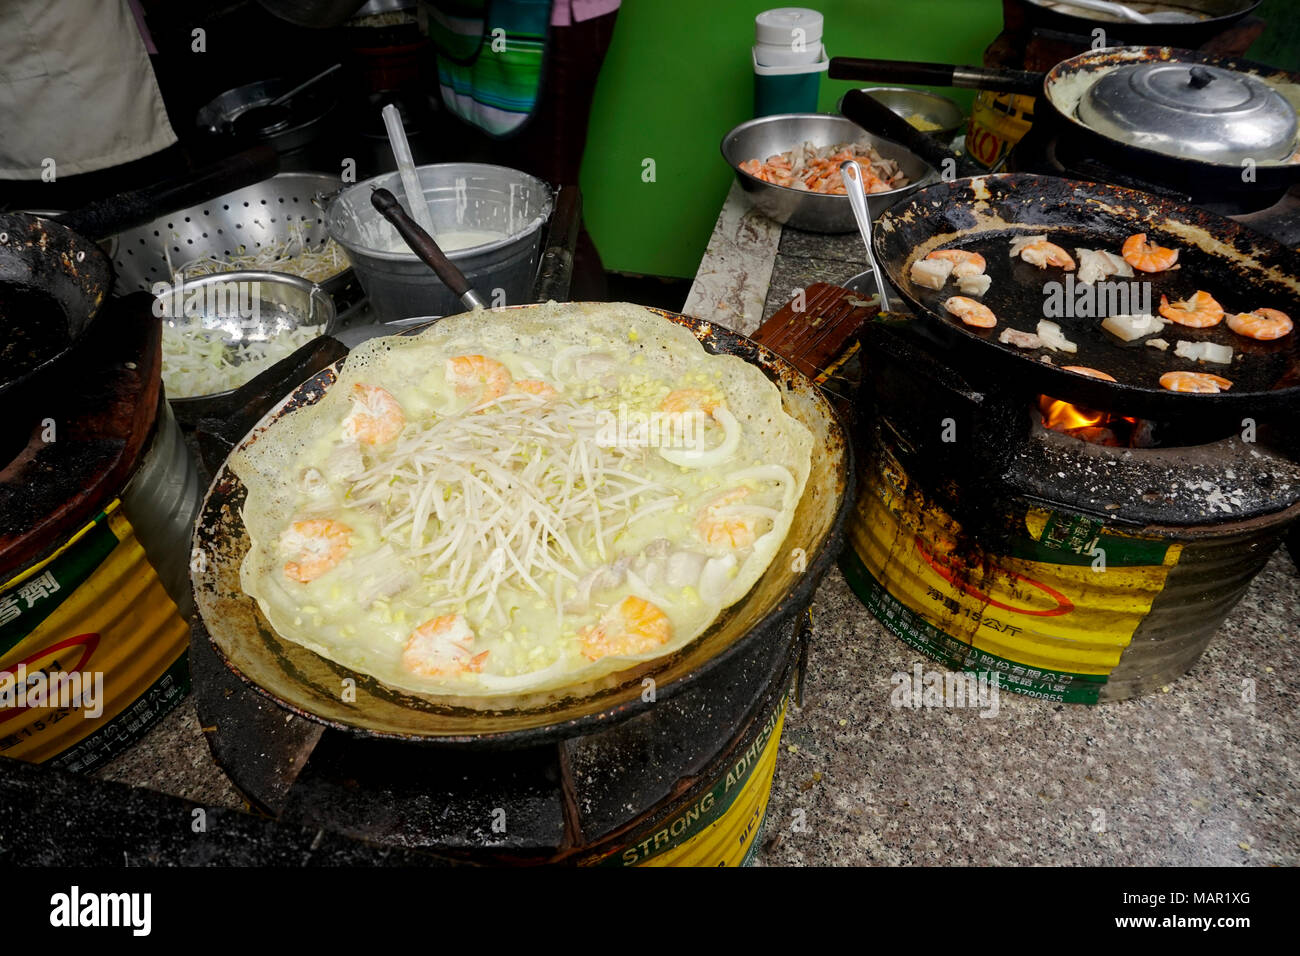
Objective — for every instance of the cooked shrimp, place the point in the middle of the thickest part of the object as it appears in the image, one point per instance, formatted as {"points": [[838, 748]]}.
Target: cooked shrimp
{"points": [[1090, 372], [817, 169], [376, 416], [442, 646], [1202, 382], [1262, 324], [971, 312], [690, 400], [534, 386], [964, 262], [315, 546], [478, 377], [634, 626], [1147, 256], [1042, 253], [719, 526], [1200, 311]]}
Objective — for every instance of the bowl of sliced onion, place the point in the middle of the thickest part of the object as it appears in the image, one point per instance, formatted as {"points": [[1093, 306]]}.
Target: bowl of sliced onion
{"points": [[220, 331]]}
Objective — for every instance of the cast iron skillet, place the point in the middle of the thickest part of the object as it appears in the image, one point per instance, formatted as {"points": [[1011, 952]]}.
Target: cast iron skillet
{"points": [[1062, 95], [311, 686], [1241, 269], [52, 285]]}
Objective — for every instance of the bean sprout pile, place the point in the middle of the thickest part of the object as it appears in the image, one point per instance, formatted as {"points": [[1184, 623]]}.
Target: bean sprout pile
{"points": [[518, 493], [292, 254]]}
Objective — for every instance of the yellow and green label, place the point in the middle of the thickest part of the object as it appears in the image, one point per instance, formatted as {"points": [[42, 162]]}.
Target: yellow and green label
{"points": [[720, 826], [92, 649], [1052, 614]]}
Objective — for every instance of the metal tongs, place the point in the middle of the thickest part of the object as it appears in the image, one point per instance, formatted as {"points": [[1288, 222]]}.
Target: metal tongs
{"points": [[851, 173]]}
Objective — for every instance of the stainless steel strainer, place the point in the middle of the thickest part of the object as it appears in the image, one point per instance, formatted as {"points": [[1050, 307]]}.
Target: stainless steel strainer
{"points": [[251, 217]]}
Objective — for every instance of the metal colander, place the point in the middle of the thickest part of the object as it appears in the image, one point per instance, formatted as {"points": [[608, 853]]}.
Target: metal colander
{"points": [[252, 217]]}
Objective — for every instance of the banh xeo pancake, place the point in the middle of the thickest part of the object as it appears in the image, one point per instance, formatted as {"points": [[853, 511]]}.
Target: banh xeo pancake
{"points": [[517, 502]]}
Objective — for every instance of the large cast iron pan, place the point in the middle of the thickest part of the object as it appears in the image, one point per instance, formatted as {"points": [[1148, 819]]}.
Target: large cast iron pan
{"points": [[311, 686], [1240, 268], [52, 286], [1059, 91]]}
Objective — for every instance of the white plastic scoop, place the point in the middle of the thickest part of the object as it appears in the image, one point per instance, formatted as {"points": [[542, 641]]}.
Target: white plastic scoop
{"points": [[406, 167]]}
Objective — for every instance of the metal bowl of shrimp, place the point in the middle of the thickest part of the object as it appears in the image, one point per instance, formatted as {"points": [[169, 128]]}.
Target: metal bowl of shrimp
{"points": [[788, 166]]}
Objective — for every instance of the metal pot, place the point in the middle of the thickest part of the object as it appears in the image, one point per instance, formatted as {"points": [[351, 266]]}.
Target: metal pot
{"points": [[306, 117], [461, 196], [943, 113], [1062, 92]]}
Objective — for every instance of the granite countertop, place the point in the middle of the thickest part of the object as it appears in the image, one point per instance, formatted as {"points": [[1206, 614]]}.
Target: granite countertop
{"points": [[1196, 774]]}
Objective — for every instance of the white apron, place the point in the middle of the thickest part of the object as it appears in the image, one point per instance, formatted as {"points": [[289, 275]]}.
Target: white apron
{"points": [[76, 86]]}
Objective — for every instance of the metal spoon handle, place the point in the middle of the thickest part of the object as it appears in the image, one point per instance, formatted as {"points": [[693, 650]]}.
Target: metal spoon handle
{"points": [[851, 173], [285, 97]]}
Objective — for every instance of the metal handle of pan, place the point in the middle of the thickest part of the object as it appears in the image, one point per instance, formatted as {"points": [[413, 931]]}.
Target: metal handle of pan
{"points": [[555, 267], [911, 72], [422, 245], [875, 117], [851, 173]]}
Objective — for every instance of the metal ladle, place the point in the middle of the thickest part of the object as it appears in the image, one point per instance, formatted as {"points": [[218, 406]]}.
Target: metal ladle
{"points": [[858, 201], [426, 248]]}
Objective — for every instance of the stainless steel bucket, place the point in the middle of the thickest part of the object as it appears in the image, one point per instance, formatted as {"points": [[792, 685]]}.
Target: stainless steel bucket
{"points": [[462, 197]]}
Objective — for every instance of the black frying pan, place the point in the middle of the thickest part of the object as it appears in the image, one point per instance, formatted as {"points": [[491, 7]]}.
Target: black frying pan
{"points": [[1058, 93], [1241, 269], [1218, 14], [53, 283]]}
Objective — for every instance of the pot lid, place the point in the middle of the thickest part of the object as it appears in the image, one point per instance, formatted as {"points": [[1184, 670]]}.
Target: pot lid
{"points": [[1192, 110]]}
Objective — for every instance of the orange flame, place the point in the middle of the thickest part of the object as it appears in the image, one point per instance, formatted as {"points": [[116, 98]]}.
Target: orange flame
{"points": [[1080, 422], [1063, 417]]}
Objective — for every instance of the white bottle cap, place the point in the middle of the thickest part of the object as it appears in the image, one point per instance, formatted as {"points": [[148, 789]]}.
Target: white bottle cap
{"points": [[777, 27]]}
